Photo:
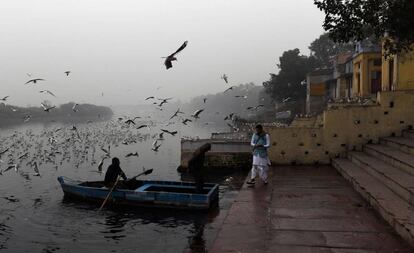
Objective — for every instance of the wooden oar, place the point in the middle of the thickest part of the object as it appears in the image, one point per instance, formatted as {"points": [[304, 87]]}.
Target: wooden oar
{"points": [[147, 172], [109, 194]]}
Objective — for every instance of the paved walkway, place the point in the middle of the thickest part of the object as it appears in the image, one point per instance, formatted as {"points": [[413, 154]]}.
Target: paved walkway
{"points": [[304, 209]]}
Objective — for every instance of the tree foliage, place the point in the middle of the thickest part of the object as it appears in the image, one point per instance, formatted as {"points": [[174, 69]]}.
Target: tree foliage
{"points": [[324, 48], [355, 20], [287, 84]]}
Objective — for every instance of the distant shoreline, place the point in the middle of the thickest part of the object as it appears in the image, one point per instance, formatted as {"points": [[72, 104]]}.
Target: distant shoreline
{"points": [[12, 116]]}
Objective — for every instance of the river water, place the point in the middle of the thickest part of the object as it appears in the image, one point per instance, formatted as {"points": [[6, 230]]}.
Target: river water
{"points": [[34, 216]]}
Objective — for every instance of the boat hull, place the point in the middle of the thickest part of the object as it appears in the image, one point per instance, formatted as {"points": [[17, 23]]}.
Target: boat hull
{"points": [[163, 194]]}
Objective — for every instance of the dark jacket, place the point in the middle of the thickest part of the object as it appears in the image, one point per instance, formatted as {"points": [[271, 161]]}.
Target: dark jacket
{"points": [[196, 163], [112, 174]]}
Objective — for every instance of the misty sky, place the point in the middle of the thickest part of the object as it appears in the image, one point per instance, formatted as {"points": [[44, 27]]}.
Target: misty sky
{"points": [[115, 47]]}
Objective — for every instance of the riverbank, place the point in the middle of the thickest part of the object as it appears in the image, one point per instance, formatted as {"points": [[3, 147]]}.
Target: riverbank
{"points": [[304, 209]]}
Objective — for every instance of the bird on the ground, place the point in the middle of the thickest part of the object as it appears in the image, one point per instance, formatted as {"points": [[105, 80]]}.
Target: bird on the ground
{"points": [[196, 114], [132, 154], [204, 100], [173, 133], [34, 81], [4, 98], [176, 114], [231, 88], [47, 108], [225, 78], [67, 73], [48, 92], [169, 59], [241, 96]]}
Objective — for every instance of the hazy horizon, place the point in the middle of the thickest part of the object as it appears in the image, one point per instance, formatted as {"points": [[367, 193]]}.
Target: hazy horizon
{"points": [[115, 47]]}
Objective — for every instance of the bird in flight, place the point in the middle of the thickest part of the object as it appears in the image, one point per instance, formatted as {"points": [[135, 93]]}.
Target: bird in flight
{"points": [[107, 151], [36, 170], [155, 146], [132, 154], [229, 117], [196, 114], [131, 121], [47, 108], [74, 107], [225, 78], [233, 127], [67, 73], [176, 114], [169, 59], [254, 107], [186, 121], [231, 88], [4, 151], [152, 97], [142, 126], [173, 133], [48, 92], [34, 81], [27, 118], [5, 98], [101, 163]]}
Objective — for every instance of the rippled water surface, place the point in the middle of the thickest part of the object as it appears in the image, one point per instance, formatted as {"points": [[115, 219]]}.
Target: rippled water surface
{"points": [[34, 217]]}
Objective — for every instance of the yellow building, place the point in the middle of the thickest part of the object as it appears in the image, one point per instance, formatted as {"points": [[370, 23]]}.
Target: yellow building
{"points": [[367, 74], [398, 72]]}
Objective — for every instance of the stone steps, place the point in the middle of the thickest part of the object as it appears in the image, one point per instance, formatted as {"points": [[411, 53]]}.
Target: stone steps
{"points": [[392, 156], [393, 178], [394, 209], [404, 144], [408, 133]]}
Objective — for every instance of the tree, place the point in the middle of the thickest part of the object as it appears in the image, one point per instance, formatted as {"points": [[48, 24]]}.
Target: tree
{"points": [[288, 82], [355, 20], [323, 48]]}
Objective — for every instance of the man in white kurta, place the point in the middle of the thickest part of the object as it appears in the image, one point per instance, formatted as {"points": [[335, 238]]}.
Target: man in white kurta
{"points": [[260, 143]]}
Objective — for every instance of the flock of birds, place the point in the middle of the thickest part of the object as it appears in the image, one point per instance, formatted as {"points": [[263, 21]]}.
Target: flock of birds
{"points": [[64, 143]]}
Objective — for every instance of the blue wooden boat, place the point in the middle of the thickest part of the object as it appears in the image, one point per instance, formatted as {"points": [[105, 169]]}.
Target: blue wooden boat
{"points": [[146, 193]]}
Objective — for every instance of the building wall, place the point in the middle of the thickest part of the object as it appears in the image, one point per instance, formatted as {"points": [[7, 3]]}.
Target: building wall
{"points": [[346, 128], [363, 65]]}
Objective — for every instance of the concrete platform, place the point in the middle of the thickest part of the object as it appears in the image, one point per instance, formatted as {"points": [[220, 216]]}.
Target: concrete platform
{"points": [[304, 209]]}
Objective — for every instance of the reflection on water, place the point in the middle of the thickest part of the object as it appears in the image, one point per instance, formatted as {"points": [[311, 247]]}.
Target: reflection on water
{"points": [[34, 217]]}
